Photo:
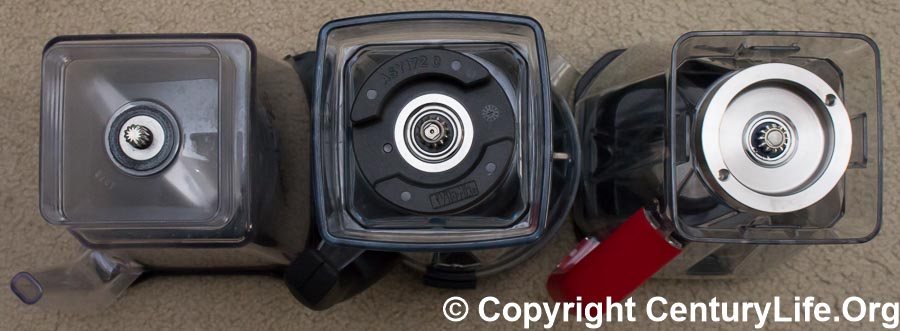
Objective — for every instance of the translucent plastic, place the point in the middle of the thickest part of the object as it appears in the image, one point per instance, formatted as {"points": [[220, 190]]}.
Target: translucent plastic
{"points": [[512, 50], [637, 119], [849, 63], [96, 85], [95, 280], [205, 85], [200, 194], [701, 260]]}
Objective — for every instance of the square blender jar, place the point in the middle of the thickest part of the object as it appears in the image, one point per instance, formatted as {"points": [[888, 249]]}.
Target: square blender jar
{"points": [[156, 155], [432, 139], [722, 156]]}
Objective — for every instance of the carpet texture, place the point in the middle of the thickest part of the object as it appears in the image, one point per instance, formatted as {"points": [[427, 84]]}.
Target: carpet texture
{"points": [[580, 31]]}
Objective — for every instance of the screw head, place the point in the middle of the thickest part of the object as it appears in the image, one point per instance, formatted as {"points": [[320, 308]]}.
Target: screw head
{"points": [[434, 132], [431, 132]]}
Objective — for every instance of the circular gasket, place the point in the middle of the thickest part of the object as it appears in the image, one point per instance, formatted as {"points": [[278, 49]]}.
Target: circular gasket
{"points": [[420, 107], [155, 157]]}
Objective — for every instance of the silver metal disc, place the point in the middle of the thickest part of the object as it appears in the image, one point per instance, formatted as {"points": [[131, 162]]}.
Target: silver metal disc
{"points": [[773, 138]]}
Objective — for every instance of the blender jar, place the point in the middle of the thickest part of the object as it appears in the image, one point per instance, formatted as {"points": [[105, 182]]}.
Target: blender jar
{"points": [[722, 156], [157, 156], [436, 134]]}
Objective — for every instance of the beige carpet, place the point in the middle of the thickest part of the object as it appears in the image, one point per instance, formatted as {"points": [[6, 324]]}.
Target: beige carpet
{"points": [[580, 31]]}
